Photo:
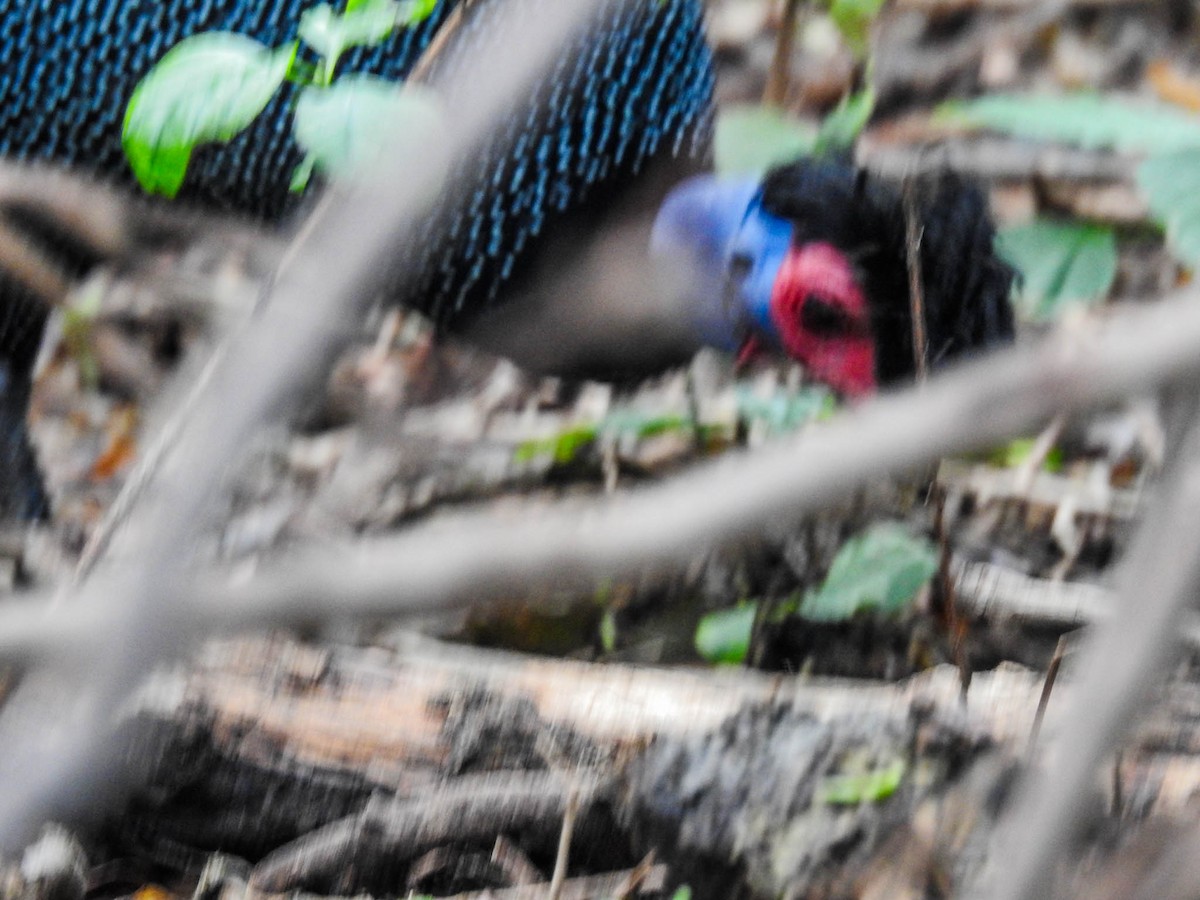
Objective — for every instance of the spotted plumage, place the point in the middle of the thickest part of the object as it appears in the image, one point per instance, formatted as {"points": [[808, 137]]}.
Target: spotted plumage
{"points": [[632, 88]]}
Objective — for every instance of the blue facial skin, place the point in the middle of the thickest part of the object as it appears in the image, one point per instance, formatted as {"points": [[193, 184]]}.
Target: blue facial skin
{"points": [[729, 249]]}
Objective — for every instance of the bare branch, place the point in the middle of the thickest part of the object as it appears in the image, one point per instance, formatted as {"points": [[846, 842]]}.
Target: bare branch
{"points": [[1120, 664], [469, 559], [345, 251]]}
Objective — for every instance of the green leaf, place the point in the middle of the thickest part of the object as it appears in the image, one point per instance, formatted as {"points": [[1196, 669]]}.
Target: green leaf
{"points": [[351, 125], [751, 139], [853, 19], [206, 88], [683, 892], [563, 447], [1089, 120], [882, 569], [301, 176], [414, 12], [782, 412], [845, 122], [1171, 183], [635, 423], [724, 636], [1061, 264], [1016, 451], [79, 328], [608, 630], [871, 786], [363, 24]]}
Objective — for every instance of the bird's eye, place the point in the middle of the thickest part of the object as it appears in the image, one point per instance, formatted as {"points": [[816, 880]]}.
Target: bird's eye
{"points": [[740, 265], [823, 319]]}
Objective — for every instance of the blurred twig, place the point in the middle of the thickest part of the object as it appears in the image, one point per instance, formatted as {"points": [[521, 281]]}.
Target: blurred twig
{"points": [[944, 7], [779, 79], [52, 754], [469, 559], [1119, 665]]}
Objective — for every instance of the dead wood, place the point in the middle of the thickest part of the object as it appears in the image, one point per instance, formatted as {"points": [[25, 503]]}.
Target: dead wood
{"points": [[649, 879], [337, 768], [466, 809], [340, 766]]}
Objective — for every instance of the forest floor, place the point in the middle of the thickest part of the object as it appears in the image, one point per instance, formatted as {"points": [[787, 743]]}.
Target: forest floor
{"points": [[594, 732]]}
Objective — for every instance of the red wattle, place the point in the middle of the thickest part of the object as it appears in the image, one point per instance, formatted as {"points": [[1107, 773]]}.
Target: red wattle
{"points": [[846, 361]]}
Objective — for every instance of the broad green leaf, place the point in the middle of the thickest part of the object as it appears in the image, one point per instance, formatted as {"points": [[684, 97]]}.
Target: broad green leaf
{"points": [[330, 33], [206, 88], [724, 636], [871, 786], [683, 892], [360, 119], [882, 569], [1089, 120], [853, 19], [751, 139], [405, 13], [1171, 183], [159, 169], [844, 123], [1061, 264]]}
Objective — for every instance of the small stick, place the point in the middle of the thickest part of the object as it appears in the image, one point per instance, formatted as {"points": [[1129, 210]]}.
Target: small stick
{"points": [[32, 268], [946, 610], [1118, 791], [779, 79], [420, 72], [564, 844], [637, 875], [916, 294], [516, 865], [1047, 688]]}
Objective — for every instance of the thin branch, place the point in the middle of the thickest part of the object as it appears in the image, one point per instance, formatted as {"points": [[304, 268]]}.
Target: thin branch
{"points": [[779, 79], [470, 559], [347, 251], [1052, 671], [31, 267], [563, 858], [913, 231], [472, 807], [924, 150], [945, 7], [1119, 665]]}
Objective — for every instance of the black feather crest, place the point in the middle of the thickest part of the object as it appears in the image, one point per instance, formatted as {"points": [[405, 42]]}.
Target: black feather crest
{"points": [[966, 286]]}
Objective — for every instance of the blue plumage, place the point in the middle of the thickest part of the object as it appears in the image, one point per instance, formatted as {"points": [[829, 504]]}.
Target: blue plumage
{"points": [[633, 88], [68, 69]]}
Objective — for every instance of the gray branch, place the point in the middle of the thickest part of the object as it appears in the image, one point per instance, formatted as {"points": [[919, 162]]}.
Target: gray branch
{"points": [[56, 761]]}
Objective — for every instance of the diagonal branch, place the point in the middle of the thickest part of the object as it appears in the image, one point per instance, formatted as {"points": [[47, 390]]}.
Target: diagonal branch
{"points": [[469, 559], [342, 258]]}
